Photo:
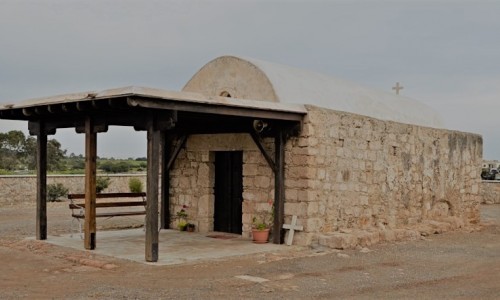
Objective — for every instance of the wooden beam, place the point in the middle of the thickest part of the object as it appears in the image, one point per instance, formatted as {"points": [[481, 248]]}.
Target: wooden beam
{"points": [[180, 144], [69, 107], [266, 155], [90, 184], [41, 190], [153, 148], [215, 109], [28, 112], [167, 141], [83, 105], [54, 109], [279, 188]]}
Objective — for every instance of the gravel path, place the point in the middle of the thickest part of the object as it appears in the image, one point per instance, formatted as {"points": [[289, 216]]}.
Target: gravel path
{"points": [[457, 265]]}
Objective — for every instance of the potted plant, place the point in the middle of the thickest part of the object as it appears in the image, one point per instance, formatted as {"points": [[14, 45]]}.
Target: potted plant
{"points": [[261, 225], [190, 227], [182, 218]]}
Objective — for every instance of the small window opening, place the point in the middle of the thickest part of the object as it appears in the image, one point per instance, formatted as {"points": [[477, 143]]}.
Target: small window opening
{"points": [[225, 94]]}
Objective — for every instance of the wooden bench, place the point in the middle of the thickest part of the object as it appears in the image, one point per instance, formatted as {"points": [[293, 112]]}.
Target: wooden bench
{"points": [[80, 207]]}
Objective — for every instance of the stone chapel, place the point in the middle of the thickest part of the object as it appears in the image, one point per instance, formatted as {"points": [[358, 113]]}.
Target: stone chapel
{"points": [[366, 166]]}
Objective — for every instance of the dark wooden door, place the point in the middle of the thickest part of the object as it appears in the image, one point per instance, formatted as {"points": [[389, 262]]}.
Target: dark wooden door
{"points": [[228, 191]]}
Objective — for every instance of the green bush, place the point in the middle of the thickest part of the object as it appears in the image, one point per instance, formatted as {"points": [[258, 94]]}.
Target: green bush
{"points": [[135, 185], [55, 191], [102, 183]]}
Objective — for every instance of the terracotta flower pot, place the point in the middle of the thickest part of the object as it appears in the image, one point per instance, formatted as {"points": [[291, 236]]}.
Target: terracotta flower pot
{"points": [[190, 227], [260, 236]]}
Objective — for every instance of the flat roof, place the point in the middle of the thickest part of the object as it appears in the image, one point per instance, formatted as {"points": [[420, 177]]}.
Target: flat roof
{"points": [[181, 97]]}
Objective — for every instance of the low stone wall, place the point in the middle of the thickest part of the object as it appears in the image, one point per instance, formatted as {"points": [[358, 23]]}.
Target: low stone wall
{"points": [[491, 191], [22, 189]]}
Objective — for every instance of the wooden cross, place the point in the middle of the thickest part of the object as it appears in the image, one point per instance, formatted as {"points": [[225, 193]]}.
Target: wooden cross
{"points": [[292, 227], [397, 88]]}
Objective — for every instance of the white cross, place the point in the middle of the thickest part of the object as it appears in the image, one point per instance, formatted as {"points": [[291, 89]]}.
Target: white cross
{"points": [[397, 88], [292, 227]]}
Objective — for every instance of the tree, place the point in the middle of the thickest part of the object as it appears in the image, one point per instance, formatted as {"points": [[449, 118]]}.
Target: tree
{"points": [[26, 154], [12, 149]]}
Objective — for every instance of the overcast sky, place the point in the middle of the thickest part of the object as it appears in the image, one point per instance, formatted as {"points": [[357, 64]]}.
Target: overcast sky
{"points": [[445, 53]]}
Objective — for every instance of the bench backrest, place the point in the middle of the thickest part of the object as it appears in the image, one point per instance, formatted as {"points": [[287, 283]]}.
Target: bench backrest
{"points": [[108, 195]]}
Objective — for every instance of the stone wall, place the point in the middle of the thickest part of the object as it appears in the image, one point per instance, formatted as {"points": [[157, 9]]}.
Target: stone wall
{"points": [[193, 177], [362, 174], [490, 190], [351, 180], [22, 189]]}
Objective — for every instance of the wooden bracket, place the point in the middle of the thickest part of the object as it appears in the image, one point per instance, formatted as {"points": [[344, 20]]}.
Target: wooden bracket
{"points": [[35, 128], [180, 144], [267, 156]]}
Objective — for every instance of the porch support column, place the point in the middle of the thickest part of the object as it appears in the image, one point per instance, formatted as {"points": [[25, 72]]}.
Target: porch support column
{"points": [[41, 183], [165, 180], [153, 148], [90, 184], [279, 188]]}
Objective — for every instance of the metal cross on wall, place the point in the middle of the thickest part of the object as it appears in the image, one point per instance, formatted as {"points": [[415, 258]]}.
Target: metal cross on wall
{"points": [[397, 88]]}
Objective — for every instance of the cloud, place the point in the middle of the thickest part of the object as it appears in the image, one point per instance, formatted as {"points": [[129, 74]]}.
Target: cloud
{"points": [[446, 54]]}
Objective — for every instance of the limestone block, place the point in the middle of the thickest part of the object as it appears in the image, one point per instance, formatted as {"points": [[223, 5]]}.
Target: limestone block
{"points": [[313, 224], [297, 209], [248, 182], [302, 238], [308, 130], [302, 160], [206, 205], [475, 188], [365, 238], [184, 182], [250, 169], [387, 235], [291, 195], [306, 195], [205, 225], [338, 240], [249, 195], [296, 183], [312, 208], [247, 218], [203, 171], [262, 181]]}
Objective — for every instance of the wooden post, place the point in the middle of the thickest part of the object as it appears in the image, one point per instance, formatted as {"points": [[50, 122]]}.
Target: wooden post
{"points": [[41, 183], [165, 180], [279, 188], [154, 140], [90, 184]]}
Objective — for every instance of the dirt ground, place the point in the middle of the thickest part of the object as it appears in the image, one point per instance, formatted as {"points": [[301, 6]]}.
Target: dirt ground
{"points": [[457, 265]]}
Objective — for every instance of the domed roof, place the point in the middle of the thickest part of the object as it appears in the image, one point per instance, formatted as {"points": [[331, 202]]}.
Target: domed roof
{"points": [[249, 78]]}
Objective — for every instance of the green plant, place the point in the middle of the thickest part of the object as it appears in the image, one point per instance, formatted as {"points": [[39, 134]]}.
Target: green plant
{"points": [[264, 219], [56, 191], [102, 183], [259, 224], [182, 216], [135, 185]]}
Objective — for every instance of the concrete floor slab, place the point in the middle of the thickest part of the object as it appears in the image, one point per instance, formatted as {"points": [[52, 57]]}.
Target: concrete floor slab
{"points": [[175, 247]]}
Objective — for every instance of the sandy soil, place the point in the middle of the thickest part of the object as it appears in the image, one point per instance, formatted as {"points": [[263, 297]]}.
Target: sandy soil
{"points": [[457, 265]]}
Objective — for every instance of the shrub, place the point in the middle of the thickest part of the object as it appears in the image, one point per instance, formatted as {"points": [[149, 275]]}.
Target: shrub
{"points": [[55, 191], [102, 183], [135, 185]]}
